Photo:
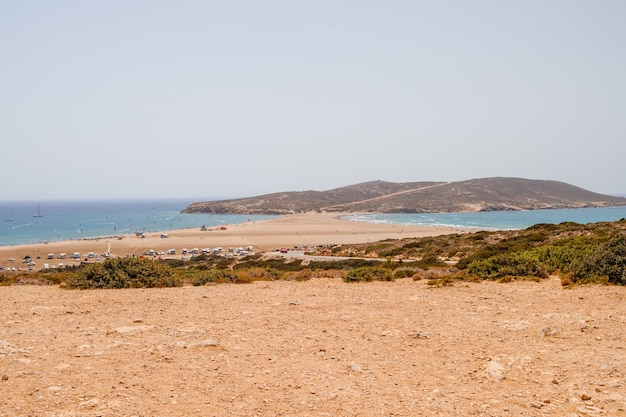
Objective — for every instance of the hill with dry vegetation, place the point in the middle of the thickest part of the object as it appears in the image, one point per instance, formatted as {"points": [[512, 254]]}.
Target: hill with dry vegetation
{"points": [[485, 194]]}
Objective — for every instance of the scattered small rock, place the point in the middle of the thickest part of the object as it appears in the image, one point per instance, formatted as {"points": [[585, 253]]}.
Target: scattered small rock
{"points": [[494, 369], [548, 331], [355, 367], [585, 397], [589, 410], [208, 342], [420, 335], [130, 329], [5, 377], [536, 404], [90, 403]]}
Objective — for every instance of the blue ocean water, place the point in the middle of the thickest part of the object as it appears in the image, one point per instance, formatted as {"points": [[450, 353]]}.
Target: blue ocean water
{"points": [[66, 220], [498, 220]]}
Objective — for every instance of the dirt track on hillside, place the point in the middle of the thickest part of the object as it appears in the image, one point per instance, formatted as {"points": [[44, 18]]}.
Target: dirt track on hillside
{"points": [[316, 348]]}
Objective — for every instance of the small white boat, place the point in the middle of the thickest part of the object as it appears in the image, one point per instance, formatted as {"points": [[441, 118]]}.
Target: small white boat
{"points": [[38, 212]]}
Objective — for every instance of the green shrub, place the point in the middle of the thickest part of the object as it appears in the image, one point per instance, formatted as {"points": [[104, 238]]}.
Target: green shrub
{"points": [[367, 274], [477, 236], [422, 242], [392, 252], [220, 276], [280, 264], [343, 264], [404, 273], [259, 274], [441, 282], [174, 263], [378, 246], [302, 275], [507, 264], [511, 245], [124, 273], [609, 261], [335, 249], [4, 280], [429, 259]]}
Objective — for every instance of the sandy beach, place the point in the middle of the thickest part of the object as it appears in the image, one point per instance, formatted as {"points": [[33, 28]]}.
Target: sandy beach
{"points": [[288, 231]]}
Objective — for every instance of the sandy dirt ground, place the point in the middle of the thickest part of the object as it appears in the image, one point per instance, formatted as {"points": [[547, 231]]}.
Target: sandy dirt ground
{"points": [[315, 348]]}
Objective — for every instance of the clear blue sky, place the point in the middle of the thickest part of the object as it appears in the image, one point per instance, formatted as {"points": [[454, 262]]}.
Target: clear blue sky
{"points": [[203, 99]]}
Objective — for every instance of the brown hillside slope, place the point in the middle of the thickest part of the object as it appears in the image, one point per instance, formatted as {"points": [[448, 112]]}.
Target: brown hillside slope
{"points": [[296, 201], [484, 194]]}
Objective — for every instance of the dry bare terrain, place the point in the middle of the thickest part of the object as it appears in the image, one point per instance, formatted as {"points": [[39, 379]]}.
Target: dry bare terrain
{"points": [[315, 348], [483, 194]]}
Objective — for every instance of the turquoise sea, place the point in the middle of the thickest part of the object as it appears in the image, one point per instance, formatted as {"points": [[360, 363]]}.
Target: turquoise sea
{"points": [[67, 220], [498, 220]]}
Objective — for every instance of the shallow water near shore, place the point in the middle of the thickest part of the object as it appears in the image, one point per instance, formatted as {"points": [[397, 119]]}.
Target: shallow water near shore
{"points": [[68, 220], [497, 220]]}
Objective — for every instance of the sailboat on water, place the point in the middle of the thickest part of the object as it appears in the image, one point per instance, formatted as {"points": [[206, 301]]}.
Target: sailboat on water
{"points": [[38, 212], [10, 218]]}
